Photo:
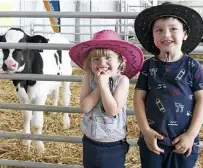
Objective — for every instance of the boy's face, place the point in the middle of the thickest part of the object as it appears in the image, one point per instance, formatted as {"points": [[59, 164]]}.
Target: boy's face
{"points": [[168, 35]]}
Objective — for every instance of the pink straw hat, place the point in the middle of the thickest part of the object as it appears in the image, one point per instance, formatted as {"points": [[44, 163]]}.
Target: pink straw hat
{"points": [[109, 39]]}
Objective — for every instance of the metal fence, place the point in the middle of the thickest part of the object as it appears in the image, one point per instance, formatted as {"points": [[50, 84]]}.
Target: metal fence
{"points": [[9, 135]]}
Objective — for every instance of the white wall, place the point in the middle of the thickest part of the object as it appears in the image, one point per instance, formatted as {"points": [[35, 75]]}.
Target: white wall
{"points": [[97, 6], [68, 6], [6, 5]]}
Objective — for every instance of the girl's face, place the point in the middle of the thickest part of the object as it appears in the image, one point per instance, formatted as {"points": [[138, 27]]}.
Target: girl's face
{"points": [[168, 35], [108, 62]]}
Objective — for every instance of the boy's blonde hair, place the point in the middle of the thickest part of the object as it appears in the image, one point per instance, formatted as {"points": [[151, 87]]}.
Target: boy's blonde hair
{"points": [[100, 53]]}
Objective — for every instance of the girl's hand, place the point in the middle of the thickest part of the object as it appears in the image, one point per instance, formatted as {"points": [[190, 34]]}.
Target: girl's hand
{"points": [[183, 144], [150, 137], [103, 78], [97, 74]]}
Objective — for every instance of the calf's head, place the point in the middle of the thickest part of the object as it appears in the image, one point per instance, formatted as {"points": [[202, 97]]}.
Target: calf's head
{"points": [[14, 60]]}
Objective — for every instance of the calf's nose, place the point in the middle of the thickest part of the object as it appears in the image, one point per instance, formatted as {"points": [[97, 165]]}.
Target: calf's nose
{"points": [[11, 65]]}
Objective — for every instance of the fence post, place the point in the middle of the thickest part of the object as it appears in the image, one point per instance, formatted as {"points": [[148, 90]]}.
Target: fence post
{"points": [[77, 22], [32, 29]]}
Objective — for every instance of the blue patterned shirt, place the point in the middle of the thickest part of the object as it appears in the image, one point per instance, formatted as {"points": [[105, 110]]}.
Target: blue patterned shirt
{"points": [[169, 102]]}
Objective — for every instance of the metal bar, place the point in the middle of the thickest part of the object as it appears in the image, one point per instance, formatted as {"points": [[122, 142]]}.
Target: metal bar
{"points": [[17, 135], [50, 108], [37, 32], [100, 15], [32, 107], [192, 6], [51, 46], [40, 77], [77, 22], [149, 56], [38, 46], [14, 135], [5, 26], [16, 163], [82, 25], [90, 27]]}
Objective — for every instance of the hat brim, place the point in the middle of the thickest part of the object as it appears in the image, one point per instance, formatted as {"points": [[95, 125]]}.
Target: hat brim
{"points": [[133, 55], [188, 15]]}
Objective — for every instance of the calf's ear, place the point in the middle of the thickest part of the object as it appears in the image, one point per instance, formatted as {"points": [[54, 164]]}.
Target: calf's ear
{"points": [[37, 39], [1, 38]]}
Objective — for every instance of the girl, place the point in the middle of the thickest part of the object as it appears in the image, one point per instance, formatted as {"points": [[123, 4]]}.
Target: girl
{"points": [[109, 63]]}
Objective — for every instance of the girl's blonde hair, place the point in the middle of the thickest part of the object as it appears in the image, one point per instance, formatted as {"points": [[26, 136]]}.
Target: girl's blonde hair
{"points": [[100, 53]]}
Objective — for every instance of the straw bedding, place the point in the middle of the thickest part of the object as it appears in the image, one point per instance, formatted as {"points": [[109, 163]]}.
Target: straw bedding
{"points": [[57, 152]]}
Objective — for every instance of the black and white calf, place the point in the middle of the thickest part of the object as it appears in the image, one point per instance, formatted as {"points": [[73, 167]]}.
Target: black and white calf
{"points": [[54, 62]]}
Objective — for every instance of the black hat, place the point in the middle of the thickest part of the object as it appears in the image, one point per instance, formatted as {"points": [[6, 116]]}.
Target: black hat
{"points": [[192, 20]]}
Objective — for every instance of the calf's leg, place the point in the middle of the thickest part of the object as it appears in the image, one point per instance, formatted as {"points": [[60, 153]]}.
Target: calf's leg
{"points": [[66, 95], [55, 95], [27, 115], [38, 121]]}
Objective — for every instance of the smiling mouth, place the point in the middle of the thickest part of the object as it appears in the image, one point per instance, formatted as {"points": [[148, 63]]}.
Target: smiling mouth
{"points": [[167, 42], [104, 69]]}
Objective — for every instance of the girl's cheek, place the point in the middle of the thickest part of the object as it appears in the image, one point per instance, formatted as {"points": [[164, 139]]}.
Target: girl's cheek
{"points": [[93, 69]]}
